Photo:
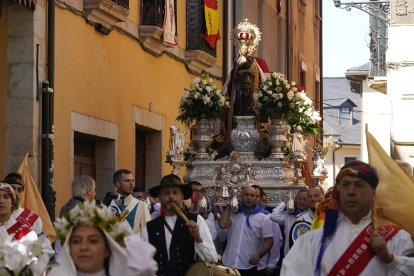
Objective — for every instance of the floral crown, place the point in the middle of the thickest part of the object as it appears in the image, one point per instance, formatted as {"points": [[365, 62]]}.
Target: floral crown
{"points": [[89, 214], [9, 189]]}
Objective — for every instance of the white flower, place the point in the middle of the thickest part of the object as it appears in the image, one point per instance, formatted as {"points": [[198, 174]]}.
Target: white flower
{"points": [[39, 267], [75, 212], [206, 99], [279, 104], [269, 92], [196, 95], [105, 213], [290, 94], [210, 80], [316, 116], [186, 94], [196, 80], [293, 83], [204, 82], [61, 223], [209, 88], [280, 95]]}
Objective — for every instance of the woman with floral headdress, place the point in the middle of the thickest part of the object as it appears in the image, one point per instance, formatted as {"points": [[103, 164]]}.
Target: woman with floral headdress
{"points": [[95, 243], [10, 229]]}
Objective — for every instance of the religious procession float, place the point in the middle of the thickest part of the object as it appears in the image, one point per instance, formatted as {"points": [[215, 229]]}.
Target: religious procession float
{"points": [[253, 131]]}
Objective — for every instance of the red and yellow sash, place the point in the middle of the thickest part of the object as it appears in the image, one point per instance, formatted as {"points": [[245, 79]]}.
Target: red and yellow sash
{"points": [[359, 253], [23, 223]]}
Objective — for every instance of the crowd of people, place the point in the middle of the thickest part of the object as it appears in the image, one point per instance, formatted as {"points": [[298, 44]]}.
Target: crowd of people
{"points": [[174, 226]]}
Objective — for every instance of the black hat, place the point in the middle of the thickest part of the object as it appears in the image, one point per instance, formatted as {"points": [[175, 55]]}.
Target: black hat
{"points": [[168, 181]]}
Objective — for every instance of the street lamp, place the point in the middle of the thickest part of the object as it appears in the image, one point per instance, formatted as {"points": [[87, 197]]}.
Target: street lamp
{"points": [[379, 10]]}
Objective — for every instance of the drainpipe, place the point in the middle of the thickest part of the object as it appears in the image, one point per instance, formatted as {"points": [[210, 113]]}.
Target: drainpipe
{"points": [[321, 69], [333, 157], [287, 40], [48, 194]]}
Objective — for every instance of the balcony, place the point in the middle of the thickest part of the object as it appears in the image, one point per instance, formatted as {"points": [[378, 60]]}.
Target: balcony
{"points": [[106, 13], [151, 28]]}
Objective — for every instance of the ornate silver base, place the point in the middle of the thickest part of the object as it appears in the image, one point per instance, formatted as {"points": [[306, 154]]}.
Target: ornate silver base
{"points": [[275, 177]]}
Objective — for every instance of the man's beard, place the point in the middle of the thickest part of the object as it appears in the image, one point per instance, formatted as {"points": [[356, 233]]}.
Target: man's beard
{"points": [[168, 207]]}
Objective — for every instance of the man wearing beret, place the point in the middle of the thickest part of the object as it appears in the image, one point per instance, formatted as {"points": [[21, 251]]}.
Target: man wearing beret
{"points": [[348, 244], [178, 239]]}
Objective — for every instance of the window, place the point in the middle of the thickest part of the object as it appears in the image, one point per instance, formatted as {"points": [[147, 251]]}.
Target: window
{"points": [[84, 155], [152, 13], [140, 157], [317, 95], [302, 78], [349, 159], [123, 3], [196, 25], [345, 116], [303, 67]]}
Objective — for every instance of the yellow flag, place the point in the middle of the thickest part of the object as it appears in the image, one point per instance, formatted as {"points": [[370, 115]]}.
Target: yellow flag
{"points": [[32, 200], [395, 192]]}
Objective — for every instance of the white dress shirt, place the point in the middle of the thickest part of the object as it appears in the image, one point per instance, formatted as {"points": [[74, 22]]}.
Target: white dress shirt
{"points": [[242, 241], [281, 216], [302, 257], [271, 259], [204, 250]]}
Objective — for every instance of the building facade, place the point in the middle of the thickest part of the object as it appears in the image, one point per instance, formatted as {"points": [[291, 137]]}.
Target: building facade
{"points": [[117, 83]]}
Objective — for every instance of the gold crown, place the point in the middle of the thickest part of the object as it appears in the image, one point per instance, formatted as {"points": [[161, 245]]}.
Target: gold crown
{"points": [[246, 36]]}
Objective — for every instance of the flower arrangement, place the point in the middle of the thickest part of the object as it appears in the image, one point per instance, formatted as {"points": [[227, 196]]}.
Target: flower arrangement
{"points": [[306, 116], [202, 101], [90, 214], [276, 98], [23, 258]]}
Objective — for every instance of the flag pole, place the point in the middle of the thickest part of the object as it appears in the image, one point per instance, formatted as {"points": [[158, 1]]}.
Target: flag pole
{"points": [[374, 217], [373, 208]]}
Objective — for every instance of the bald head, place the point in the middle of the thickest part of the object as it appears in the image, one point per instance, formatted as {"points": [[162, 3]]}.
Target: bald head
{"points": [[248, 197]]}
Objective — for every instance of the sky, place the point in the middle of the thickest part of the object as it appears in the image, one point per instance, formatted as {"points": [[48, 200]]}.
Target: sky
{"points": [[345, 39]]}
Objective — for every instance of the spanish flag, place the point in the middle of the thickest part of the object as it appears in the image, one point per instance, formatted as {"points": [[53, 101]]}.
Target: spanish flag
{"points": [[212, 22], [395, 191], [32, 200]]}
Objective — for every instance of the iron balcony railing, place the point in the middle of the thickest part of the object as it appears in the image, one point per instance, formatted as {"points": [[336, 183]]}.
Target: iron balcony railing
{"points": [[123, 3]]}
